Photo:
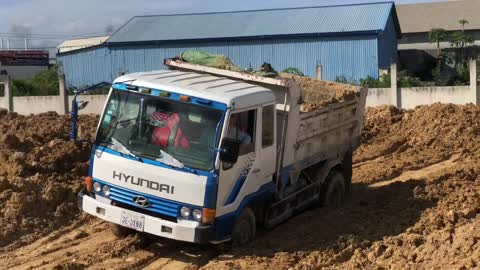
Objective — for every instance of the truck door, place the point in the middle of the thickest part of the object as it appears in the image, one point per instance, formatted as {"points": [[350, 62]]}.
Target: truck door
{"points": [[256, 161]]}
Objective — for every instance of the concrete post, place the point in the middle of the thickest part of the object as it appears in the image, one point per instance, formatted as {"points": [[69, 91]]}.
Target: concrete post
{"points": [[63, 94], [395, 91], [7, 82], [474, 87], [319, 72]]}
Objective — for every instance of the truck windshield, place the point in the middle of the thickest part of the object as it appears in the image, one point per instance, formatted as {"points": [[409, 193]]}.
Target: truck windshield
{"points": [[172, 132]]}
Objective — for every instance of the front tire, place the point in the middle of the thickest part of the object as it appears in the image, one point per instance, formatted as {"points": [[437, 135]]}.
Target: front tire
{"points": [[120, 232], [244, 229], [334, 193]]}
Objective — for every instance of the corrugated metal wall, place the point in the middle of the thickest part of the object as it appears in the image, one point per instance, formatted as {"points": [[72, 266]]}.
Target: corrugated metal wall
{"points": [[387, 45], [353, 57]]}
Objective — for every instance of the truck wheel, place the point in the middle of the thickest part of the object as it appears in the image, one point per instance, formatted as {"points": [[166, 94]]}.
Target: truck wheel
{"points": [[347, 171], [334, 193], [120, 231], [244, 229]]}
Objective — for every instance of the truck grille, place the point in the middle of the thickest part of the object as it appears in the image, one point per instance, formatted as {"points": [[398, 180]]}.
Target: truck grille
{"points": [[157, 205]]}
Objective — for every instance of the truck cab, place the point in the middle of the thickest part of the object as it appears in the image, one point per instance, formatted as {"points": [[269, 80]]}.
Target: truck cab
{"points": [[180, 154]]}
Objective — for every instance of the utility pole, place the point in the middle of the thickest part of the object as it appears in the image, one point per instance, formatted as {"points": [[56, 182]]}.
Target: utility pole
{"points": [[26, 47]]}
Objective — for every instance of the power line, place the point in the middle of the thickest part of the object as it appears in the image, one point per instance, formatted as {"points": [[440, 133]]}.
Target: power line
{"points": [[51, 35]]}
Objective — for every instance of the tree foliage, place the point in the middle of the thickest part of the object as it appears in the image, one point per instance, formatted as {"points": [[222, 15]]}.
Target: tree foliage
{"points": [[44, 83], [294, 71], [437, 35]]}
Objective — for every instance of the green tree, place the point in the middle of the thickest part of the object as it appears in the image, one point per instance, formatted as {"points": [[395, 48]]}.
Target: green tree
{"points": [[463, 22], [437, 35], [44, 83], [460, 40]]}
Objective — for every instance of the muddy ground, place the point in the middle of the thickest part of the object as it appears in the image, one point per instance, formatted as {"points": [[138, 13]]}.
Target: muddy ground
{"points": [[415, 204]]}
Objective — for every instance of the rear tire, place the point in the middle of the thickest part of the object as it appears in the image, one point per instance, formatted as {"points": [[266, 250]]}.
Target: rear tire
{"points": [[334, 192], [347, 171], [120, 232], [244, 229]]}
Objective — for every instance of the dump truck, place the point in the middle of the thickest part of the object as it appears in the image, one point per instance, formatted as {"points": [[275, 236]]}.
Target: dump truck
{"points": [[206, 155]]}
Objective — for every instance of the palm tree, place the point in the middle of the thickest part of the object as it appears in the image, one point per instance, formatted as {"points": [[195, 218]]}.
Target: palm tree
{"points": [[438, 35], [463, 22]]}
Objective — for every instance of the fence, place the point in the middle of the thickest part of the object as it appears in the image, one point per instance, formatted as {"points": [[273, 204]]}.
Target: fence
{"points": [[408, 98], [401, 97], [38, 104]]}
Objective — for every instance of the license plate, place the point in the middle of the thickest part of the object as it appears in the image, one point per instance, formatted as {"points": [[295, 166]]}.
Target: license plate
{"points": [[132, 221]]}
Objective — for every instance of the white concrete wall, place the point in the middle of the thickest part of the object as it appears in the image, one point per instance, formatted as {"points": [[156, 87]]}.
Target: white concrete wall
{"points": [[408, 98], [95, 103], [412, 97], [378, 96], [38, 104]]}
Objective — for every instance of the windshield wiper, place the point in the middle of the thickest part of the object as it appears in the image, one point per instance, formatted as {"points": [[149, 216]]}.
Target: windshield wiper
{"points": [[120, 148], [169, 160], [145, 155]]}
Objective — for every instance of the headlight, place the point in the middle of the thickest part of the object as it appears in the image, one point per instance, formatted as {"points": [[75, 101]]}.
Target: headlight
{"points": [[106, 191], [197, 214], [185, 212], [97, 187]]}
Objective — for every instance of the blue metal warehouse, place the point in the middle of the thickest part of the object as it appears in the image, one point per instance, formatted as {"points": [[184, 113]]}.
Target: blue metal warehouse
{"points": [[352, 41]]}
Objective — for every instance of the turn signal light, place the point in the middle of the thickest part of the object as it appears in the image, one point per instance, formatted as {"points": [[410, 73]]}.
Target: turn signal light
{"points": [[89, 183], [184, 98], [208, 216]]}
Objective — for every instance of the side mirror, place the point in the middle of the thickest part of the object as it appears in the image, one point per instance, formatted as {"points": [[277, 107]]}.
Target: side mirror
{"points": [[230, 150]]}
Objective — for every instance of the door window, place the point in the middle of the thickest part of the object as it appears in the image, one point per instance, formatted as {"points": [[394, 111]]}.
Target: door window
{"points": [[267, 125], [241, 127]]}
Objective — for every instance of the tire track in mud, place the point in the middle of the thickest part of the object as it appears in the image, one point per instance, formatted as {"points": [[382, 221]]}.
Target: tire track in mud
{"points": [[88, 243], [419, 173]]}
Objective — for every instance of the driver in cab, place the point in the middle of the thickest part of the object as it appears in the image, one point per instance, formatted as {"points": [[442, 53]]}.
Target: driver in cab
{"points": [[234, 132]]}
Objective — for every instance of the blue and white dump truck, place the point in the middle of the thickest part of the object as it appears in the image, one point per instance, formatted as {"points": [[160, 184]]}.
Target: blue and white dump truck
{"points": [[206, 155]]}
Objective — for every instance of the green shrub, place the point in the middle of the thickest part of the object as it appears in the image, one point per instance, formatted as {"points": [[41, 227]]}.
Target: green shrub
{"points": [[294, 71], [44, 83], [341, 79], [383, 82], [404, 80]]}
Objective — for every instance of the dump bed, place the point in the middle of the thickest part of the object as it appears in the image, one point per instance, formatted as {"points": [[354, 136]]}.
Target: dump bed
{"points": [[330, 119], [316, 120]]}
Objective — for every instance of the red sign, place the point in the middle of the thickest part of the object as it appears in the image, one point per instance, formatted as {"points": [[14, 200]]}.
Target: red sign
{"points": [[24, 58]]}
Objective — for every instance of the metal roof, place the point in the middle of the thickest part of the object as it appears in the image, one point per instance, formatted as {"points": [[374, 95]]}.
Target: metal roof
{"points": [[422, 17], [199, 85], [323, 20], [75, 44]]}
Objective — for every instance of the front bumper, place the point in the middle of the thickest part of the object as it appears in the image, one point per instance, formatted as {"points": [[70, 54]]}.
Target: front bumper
{"points": [[184, 230]]}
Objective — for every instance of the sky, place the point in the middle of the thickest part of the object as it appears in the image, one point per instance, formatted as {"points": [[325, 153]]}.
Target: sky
{"points": [[46, 23]]}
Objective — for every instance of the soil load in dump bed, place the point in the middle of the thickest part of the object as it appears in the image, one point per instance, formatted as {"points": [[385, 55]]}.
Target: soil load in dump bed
{"points": [[317, 93]]}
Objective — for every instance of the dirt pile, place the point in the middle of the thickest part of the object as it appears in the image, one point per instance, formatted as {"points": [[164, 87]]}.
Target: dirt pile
{"points": [[41, 169], [317, 94], [397, 140]]}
